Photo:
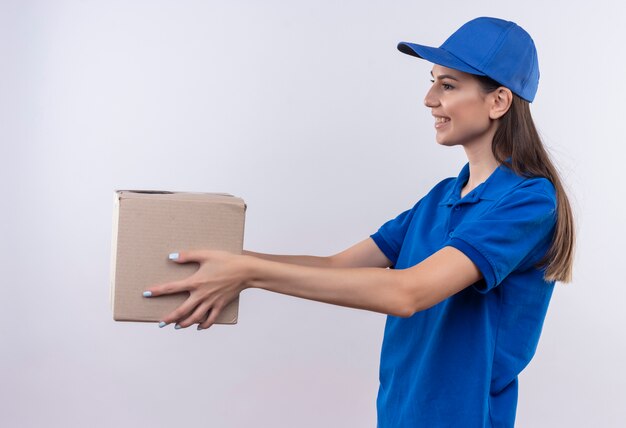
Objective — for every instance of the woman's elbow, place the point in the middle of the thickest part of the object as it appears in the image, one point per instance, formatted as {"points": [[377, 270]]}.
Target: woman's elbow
{"points": [[413, 297], [408, 310], [404, 312], [404, 306]]}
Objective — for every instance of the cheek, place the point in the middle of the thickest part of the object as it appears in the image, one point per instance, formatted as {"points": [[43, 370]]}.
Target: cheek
{"points": [[471, 114]]}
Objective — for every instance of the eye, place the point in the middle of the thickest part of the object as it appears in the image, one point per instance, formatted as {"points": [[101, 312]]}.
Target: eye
{"points": [[446, 86]]}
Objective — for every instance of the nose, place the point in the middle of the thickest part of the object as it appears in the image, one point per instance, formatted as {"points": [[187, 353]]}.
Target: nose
{"points": [[430, 100]]}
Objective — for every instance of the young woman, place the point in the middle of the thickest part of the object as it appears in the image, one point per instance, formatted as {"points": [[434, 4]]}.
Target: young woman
{"points": [[472, 264]]}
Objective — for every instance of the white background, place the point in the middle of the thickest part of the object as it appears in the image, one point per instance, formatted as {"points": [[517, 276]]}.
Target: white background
{"points": [[308, 112]]}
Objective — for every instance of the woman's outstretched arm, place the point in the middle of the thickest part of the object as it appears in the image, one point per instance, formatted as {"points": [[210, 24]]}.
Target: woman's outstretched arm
{"points": [[222, 276], [389, 291]]}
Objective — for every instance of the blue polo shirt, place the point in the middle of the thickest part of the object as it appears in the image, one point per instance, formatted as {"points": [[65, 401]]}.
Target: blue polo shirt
{"points": [[456, 363]]}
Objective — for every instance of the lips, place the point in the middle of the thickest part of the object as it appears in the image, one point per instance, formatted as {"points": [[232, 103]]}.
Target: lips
{"points": [[441, 121]]}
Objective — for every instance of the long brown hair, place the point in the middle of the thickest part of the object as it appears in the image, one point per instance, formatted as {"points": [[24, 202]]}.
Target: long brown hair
{"points": [[517, 137]]}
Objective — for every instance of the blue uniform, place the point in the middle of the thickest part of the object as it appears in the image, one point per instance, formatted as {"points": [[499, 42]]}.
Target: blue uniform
{"points": [[456, 363]]}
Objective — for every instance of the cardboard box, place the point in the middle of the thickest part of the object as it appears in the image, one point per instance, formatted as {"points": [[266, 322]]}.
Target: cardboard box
{"points": [[148, 226]]}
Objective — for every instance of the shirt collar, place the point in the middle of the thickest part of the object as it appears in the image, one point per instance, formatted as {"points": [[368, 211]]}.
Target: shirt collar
{"points": [[501, 180]]}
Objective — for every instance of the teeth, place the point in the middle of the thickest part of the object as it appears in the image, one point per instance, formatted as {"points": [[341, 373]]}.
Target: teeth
{"points": [[441, 119]]}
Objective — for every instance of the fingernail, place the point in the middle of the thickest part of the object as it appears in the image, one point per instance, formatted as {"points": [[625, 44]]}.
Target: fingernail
{"points": [[177, 327], [147, 294], [162, 324], [173, 256]]}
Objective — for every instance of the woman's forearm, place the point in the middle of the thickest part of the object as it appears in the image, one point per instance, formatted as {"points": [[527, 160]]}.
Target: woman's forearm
{"points": [[314, 261], [375, 289]]}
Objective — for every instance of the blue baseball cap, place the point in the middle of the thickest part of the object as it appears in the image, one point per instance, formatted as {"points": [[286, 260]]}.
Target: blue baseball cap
{"points": [[499, 49]]}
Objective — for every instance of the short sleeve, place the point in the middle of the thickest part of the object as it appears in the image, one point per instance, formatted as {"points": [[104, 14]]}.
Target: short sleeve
{"points": [[517, 226], [390, 235]]}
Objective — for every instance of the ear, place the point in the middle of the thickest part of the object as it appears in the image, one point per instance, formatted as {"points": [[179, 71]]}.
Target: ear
{"points": [[501, 100]]}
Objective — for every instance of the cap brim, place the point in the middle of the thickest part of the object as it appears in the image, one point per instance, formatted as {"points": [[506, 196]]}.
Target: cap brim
{"points": [[437, 56]]}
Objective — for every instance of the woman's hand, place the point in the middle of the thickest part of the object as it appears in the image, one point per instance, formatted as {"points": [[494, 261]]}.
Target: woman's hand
{"points": [[217, 282]]}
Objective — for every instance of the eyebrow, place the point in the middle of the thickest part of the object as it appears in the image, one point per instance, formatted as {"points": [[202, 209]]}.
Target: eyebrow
{"points": [[444, 76]]}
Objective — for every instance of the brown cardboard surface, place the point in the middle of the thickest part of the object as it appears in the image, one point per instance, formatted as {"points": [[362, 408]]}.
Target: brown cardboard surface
{"points": [[148, 226]]}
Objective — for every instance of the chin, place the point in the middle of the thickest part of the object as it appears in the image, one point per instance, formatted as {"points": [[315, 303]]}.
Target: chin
{"points": [[443, 142]]}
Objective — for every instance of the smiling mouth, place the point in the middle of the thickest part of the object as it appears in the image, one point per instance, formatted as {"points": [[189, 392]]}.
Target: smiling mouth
{"points": [[441, 121]]}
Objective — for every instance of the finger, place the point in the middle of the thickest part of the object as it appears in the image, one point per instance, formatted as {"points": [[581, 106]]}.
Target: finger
{"points": [[167, 288], [188, 256], [206, 316], [198, 315], [215, 311], [181, 312]]}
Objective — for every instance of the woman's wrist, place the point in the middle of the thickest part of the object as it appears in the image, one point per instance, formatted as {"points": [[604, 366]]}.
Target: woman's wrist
{"points": [[247, 270]]}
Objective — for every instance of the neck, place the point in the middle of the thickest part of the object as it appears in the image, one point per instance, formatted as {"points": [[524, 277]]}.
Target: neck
{"points": [[482, 163]]}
